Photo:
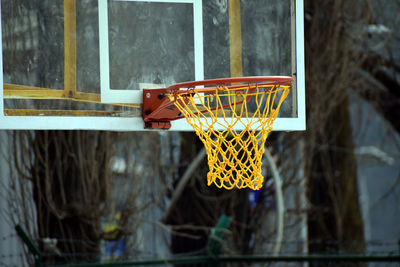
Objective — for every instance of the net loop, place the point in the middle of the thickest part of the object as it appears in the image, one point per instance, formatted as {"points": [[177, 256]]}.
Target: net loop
{"points": [[251, 104]]}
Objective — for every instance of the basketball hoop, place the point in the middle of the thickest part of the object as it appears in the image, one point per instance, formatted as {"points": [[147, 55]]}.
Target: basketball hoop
{"points": [[215, 109]]}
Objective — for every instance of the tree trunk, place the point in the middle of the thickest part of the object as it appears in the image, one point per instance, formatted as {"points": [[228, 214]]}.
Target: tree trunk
{"points": [[70, 181], [336, 218]]}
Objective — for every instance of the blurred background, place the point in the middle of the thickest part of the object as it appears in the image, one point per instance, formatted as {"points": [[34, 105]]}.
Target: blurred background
{"points": [[87, 196]]}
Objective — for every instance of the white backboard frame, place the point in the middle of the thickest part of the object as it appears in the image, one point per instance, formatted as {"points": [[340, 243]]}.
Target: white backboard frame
{"points": [[124, 96], [136, 123]]}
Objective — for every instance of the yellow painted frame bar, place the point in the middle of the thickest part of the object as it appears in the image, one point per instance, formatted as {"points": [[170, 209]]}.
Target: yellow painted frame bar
{"points": [[13, 91], [235, 33]]}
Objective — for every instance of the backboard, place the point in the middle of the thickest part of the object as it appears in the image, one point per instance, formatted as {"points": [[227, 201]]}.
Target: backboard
{"points": [[78, 64]]}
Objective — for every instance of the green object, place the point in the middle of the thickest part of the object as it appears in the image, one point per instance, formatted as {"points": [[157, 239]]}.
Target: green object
{"points": [[31, 246], [214, 243]]}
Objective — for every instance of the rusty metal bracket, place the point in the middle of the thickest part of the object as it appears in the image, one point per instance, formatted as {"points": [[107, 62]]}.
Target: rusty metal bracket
{"points": [[158, 110]]}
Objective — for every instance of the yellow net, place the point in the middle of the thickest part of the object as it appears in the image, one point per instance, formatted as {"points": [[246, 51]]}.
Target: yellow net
{"points": [[234, 156]]}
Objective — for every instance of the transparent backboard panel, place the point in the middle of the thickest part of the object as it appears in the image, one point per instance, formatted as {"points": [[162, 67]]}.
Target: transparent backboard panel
{"points": [[158, 42], [83, 64], [48, 71]]}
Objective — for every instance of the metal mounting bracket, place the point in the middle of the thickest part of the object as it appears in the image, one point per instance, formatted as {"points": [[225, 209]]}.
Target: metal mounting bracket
{"points": [[158, 110]]}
